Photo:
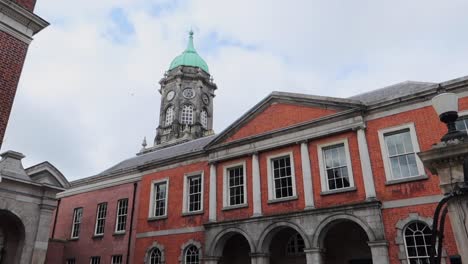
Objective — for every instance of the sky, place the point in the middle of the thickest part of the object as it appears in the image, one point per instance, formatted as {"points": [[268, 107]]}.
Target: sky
{"points": [[88, 93]]}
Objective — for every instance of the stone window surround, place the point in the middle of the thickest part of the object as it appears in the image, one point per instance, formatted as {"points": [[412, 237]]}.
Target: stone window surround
{"points": [[416, 149], [152, 200], [226, 197], [271, 185], [150, 248], [185, 209], [400, 238], [323, 173], [184, 246]]}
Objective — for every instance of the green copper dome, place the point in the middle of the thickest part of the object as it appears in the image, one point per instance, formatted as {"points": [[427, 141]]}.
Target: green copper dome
{"points": [[189, 57]]}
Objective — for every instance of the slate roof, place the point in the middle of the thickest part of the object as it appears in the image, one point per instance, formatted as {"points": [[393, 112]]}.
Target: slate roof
{"points": [[159, 155], [392, 92]]}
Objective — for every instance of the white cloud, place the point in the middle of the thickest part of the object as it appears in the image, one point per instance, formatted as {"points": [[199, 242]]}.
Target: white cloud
{"points": [[85, 100]]}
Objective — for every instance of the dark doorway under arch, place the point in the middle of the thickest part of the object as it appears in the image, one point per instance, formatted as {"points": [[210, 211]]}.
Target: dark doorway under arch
{"points": [[345, 242], [236, 250], [12, 238], [287, 246]]}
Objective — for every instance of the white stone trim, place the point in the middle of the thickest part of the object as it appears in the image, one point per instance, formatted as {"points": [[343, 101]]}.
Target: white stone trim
{"points": [[307, 176], [323, 173], [213, 186], [226, 185], [167, 232], [185, 198], [432, 199], [384, 151], [367, 174], [256, 186], [19, 22], [271, 187], [152, 200]]}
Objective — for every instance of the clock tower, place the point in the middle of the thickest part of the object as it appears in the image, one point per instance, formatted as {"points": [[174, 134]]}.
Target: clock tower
{"points": [[187, 92]]}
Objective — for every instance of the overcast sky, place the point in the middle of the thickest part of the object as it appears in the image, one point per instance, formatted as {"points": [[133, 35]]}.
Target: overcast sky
{"points": [[88, 91]]}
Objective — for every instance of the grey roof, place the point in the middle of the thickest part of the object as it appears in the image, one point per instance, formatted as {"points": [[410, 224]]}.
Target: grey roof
{"points": [[392, 92], [160, 154]]}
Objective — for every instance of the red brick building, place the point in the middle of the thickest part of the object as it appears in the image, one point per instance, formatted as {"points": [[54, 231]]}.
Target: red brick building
{"points": [[297, 179], [18, 24]]}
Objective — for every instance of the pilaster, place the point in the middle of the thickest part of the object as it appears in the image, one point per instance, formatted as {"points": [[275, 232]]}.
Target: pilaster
{"points": [[212, 202], [366, 164], [256, 188], [379, 250], [307, 176]]}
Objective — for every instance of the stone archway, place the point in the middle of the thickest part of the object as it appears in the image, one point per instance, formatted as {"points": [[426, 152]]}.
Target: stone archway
{"points": [[284, 242], [344, 239], [232, 246], [12, 238]]}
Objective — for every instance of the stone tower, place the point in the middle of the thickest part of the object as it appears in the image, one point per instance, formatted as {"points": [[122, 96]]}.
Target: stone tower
{"points": [[187, 92]]}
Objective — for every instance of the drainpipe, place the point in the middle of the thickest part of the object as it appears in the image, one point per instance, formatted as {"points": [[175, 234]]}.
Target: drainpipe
{"points": [[55, 218], [131, 222]]}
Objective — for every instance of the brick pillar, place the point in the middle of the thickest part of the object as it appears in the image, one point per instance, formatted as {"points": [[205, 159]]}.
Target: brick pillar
{"points": [[12, 55], [17, 26]]}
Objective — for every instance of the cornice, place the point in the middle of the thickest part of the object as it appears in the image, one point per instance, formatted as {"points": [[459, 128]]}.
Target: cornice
{"points": [[19, 22]]}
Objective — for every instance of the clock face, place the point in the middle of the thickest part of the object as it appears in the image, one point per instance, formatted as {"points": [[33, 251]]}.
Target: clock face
{"points": [[205, 99], [170, 95], [188, 93]]}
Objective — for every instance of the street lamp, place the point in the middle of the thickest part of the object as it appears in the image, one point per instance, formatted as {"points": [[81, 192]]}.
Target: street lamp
{"points": [[446, 106], [448, 160]]}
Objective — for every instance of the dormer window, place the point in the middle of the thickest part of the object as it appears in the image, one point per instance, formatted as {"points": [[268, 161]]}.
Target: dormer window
{"points": [[186, 116], [169, 116]]}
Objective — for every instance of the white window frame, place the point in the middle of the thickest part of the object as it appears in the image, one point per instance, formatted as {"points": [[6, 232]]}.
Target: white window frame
{"points": [[384, 151], [323, 169], [271, 180], [204, 118], [100, 218], [186, 114], [226, 189], [185, 206], [115, 258], [152, 203], [75, 211], [117, 217]]}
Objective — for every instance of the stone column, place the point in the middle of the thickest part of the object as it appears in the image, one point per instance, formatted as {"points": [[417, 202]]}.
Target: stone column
{"points": [[256, 189], [379, 250], [211, 260], [212, 213], [42, 235], [314, 255], [259, 258], [365, 164], [307, 176]]}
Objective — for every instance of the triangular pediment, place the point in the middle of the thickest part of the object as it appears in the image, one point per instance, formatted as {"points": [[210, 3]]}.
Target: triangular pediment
{"points": [[283, 110], [46, 173]]}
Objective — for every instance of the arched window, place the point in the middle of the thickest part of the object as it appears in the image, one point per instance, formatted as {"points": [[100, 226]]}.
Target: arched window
{"points": [[155, 256], [204, 119], [417, 242], [192, 255], [186, 116], [169, 115], [295, 245]]}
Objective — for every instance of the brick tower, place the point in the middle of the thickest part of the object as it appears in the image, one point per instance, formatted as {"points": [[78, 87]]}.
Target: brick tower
{"points": [[18, 24]]}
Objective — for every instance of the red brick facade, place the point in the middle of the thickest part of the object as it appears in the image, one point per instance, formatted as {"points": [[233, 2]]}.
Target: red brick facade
{"points": [[12, 56], [28, 4]]}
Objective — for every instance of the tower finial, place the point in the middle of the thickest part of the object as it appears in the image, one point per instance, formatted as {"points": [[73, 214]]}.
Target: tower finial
{"points": [[190, 46]]}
